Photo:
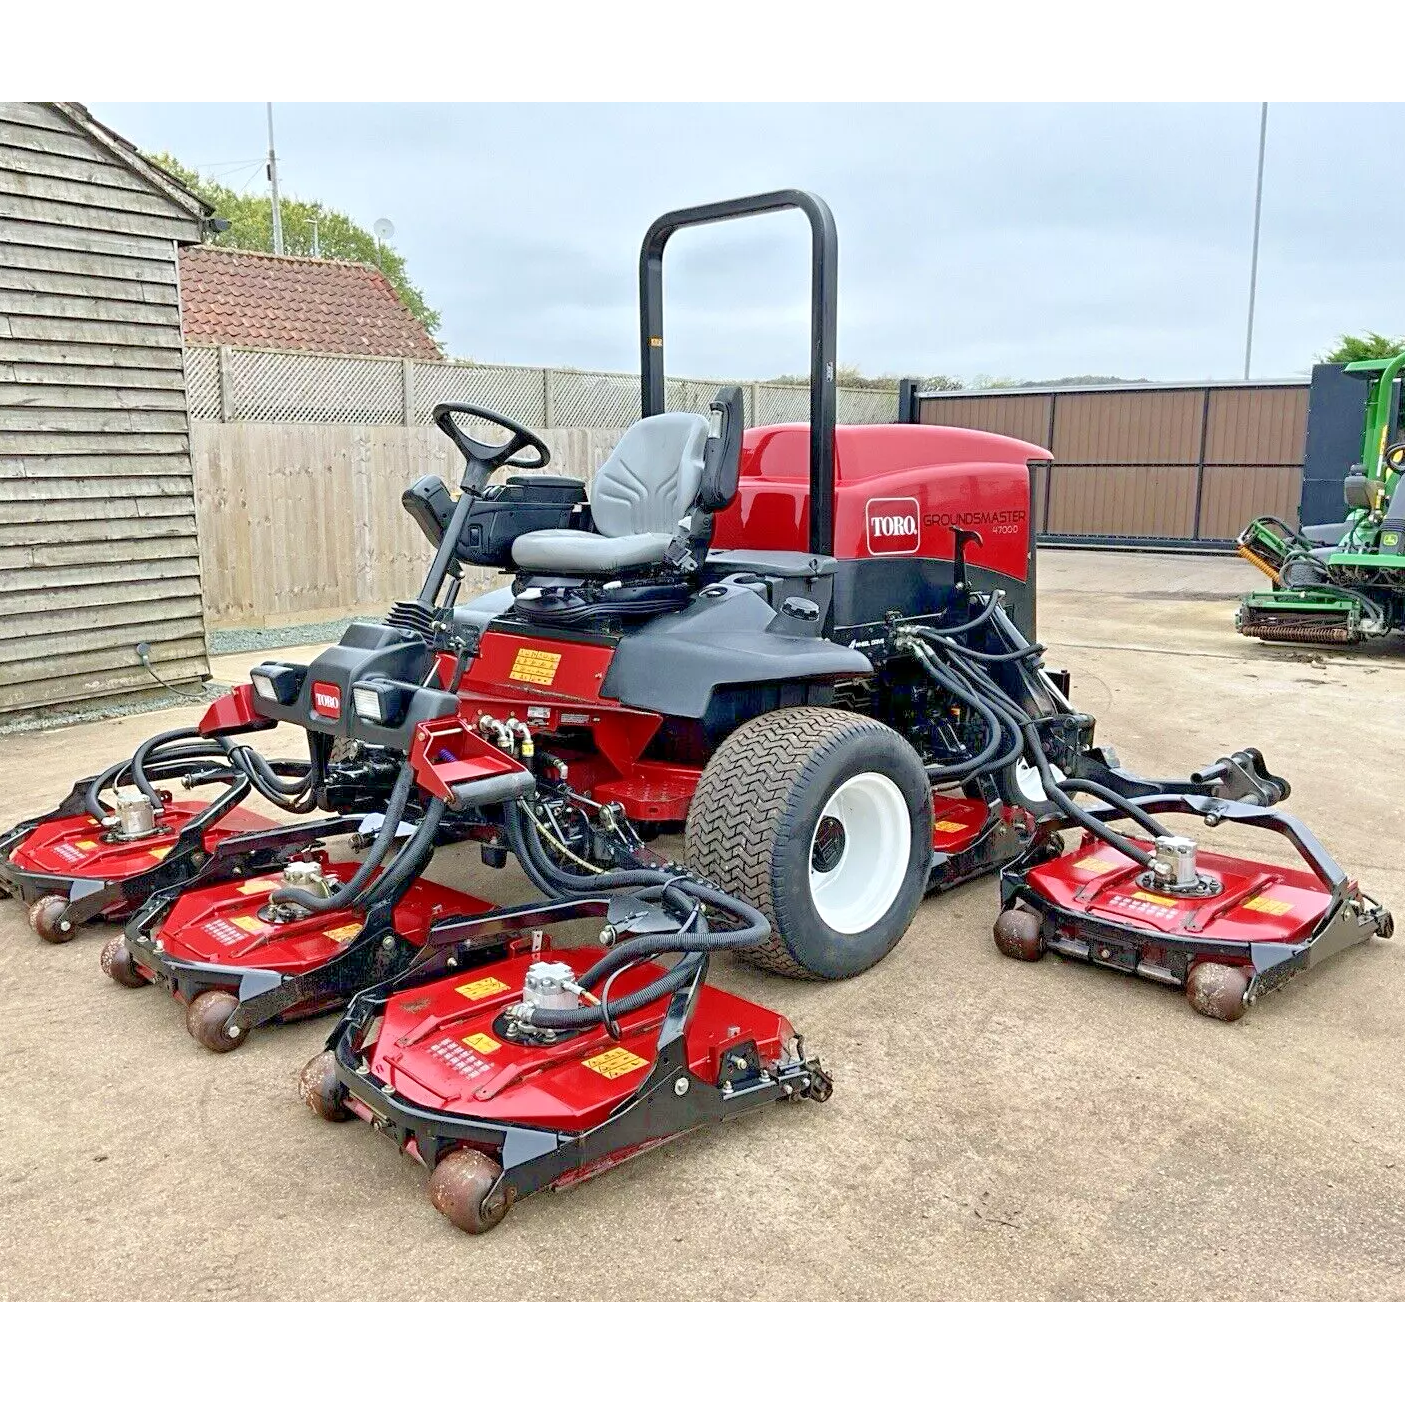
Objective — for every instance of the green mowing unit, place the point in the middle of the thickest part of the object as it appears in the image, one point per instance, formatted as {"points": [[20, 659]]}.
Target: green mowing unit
{"points": [[1345, 581]]}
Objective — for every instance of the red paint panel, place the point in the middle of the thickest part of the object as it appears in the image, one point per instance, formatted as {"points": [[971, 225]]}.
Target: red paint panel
{"points": [[946, 477], [79, 846], [220, 925], [537, 667], [445, 1055], [956, 821], [446, 753], [1260, 902], [237, 711]]}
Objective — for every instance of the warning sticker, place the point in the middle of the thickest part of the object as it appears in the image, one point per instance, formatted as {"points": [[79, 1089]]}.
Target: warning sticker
{"points": [[535, 666], [160, 851], [345, 932], [614, 1063], [1275, 907], [948, 827], [257, 885], [225, 933], [86, 843], [485, 1044], [1160, 899], [468, 1066], [1093, 864], [482, 989], [250, 924]]}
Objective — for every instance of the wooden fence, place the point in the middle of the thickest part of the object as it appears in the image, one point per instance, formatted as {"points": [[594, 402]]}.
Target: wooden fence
{"points": [[300, 523]]}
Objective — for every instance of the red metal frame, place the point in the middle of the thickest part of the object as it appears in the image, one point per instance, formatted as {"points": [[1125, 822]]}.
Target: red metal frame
{"points": [[220, 925], [437, 1047], [1259, 902]]}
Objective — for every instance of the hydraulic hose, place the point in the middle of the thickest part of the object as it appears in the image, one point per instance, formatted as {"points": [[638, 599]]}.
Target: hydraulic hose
{"points": [[151, 744], [412, 858], [585, 1016], [1054, 789], [986, 758], [352, 888], [980, 618]]}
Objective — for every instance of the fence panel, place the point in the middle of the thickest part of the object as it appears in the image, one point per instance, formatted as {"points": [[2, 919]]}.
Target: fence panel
{"points": [[300, 522], [1176, 464], [202, 382]]}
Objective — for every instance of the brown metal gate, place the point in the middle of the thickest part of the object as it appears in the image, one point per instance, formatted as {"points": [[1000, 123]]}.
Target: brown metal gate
{"points": [[1162, 465]]}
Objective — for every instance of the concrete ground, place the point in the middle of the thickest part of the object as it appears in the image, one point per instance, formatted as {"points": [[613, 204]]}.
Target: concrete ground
{"points": [[997, 1130]]}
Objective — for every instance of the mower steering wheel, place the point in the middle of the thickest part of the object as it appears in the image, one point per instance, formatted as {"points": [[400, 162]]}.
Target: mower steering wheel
{"points": [[1395, 456], [487, 457]]}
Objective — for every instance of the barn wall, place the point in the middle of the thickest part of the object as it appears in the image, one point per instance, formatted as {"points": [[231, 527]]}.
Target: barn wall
{"points": [[97, 506]]}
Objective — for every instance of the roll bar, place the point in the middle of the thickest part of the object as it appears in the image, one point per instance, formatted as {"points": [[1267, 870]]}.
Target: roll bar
{"points": [[824, 265]]}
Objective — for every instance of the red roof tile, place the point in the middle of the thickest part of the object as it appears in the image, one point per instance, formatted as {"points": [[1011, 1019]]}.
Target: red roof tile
{"points": [[232, 297]]}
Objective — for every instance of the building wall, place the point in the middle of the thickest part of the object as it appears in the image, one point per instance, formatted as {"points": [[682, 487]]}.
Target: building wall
{"points": [[98, 543], [1182, 464]]}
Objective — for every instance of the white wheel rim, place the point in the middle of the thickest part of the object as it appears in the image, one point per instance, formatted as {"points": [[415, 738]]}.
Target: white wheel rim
{"points": [[856, 872], [1030, 783]]}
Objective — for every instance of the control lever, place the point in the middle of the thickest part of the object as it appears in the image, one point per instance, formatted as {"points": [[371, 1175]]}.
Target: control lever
{"points": [[963, 538]]}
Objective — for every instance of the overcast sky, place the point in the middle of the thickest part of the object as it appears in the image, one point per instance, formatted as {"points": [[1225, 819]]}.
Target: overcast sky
{"points": [[1020, 240]]}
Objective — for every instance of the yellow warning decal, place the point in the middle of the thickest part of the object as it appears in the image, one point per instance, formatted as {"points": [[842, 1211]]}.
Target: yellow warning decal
{"points": [[535, 666], [1160, 899], [948, 827], [256, 885], [249, 924], [160, 851], [85, 843], [614, 1063], [345, 932], [482, 989], [484, 1043], [1275, 907], [1093, 864]]}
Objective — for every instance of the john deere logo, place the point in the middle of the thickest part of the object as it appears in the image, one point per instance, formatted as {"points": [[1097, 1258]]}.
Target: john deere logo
{"points": [[893, 527]]}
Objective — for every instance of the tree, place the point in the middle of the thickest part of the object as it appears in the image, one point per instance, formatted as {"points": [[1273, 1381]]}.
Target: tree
{"points": [[338, 235], [1370, 346]]}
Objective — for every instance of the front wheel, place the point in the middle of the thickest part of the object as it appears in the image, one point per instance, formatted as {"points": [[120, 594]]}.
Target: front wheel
{"points": [[823, 820]]}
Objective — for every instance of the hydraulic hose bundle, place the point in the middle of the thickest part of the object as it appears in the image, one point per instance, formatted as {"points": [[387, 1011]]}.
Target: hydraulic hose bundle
{"points": [[686, 897], [189, 755], [1010, 733]]}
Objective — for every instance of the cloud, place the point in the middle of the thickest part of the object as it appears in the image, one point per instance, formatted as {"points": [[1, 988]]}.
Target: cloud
{"points": [[1029, 239]]}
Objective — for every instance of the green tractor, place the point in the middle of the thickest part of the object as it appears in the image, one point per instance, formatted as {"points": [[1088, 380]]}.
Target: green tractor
{"points": [[1345, 581]]}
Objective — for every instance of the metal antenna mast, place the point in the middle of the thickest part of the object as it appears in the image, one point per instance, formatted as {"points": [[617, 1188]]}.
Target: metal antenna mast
{"points": [[1254, 260]]}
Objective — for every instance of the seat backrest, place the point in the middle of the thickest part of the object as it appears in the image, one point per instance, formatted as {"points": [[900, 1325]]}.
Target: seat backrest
{"points": [[651, 479]]}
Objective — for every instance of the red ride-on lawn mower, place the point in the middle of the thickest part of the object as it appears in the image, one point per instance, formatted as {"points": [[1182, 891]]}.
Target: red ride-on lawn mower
{"points": [[804, 646]]}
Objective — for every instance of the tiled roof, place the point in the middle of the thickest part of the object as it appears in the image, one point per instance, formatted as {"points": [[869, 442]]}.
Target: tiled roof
{"points": [[232, 297]]}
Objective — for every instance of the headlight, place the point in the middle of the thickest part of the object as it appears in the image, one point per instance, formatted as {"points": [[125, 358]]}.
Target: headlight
{"points": [[367, 702], [278, 682], [380, 700]]}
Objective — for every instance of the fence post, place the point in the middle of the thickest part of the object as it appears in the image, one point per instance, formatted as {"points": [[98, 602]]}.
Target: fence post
{"points": [[749, 400], [548, 398], [226, 384], [407, 388], [1200, 463]]}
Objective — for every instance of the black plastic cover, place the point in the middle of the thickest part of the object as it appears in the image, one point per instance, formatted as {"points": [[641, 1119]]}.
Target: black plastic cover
{"points": [[366, 651], [674, 663]]}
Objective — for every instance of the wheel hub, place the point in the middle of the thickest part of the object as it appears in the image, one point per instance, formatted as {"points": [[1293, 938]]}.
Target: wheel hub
{"points": [[859, 852], [828, 847]]}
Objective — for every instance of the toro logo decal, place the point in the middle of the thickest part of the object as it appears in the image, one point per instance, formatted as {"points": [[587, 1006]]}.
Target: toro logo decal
{"points": [[326, 700], [893, 526]]}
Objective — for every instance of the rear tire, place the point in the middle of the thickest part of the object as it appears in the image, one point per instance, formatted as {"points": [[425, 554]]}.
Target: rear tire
{"points": [[823, 820]]}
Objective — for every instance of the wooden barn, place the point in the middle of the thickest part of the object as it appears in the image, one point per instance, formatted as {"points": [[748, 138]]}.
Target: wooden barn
{"points": [[98, 550]]}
